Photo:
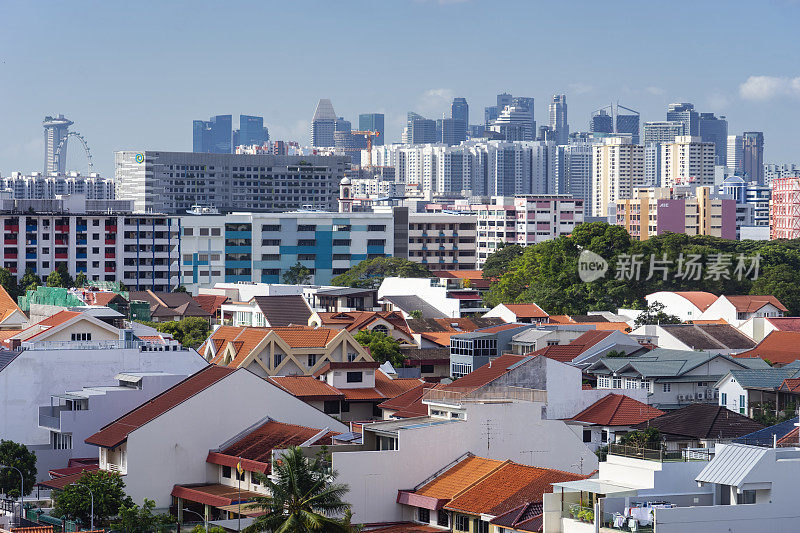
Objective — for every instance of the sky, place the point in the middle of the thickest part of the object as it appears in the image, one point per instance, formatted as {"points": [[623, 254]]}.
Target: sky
{"points": [[133, 75]]}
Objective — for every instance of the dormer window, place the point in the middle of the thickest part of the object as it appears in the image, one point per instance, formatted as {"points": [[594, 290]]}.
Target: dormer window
{"points": [[355, 377]]}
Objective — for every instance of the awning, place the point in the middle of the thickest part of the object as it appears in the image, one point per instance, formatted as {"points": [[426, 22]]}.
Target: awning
{"points": [[247, 509], [597, 486], [407, 497], [215, 495]]}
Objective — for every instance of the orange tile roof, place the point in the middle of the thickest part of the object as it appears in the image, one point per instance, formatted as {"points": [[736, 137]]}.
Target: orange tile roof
{"points": [[785, 323], [561, 319], [565, 353], [394, 387], [791, 385], [720, 321], [50, 322], [700, 299], [609, 326], [305, 336], [7, 305], [409, 403], [358, 320], [442, 338], [750, 303], [306, 387], [617, 410], [508, 487], [455, 479], [210, 302], [779, 347], [485, 374], [530, 310]]}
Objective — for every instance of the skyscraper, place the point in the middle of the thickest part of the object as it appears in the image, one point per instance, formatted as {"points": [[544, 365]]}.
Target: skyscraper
{"points": [[628, 123], [419, 130], [372, 122], [684, 112], [662, 131], [212, 136], [323, 124], [251, 131], [514, 123], [558, 118], [735, 159], [753, 155], [56, 130], [601, 122], [715, 130], [526, 103], [617, 168], [451, 131], [459, 110], [492, 112]]}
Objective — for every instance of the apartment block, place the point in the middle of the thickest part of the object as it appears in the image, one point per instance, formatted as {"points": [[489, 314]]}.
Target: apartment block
{"points": [[784, 209], [443, 241], [617, 169], [174, 182], [261, 247], [38, 186], [687, 161], [657, 210]]}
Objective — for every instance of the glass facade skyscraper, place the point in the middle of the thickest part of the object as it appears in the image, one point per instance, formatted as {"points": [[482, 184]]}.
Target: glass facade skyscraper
{"points": [[212, 136], [715, 129], [251, 131], [684, 112], [372, 122]]}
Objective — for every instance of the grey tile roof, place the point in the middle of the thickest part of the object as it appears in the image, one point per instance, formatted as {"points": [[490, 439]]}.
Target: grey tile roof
{"points": [[6, 356], [662, 362], [284, 310], [763, 378], [709, 336]]}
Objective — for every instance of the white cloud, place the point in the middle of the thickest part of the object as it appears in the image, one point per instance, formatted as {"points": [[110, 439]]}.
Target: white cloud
{"points": [[434, 101], [580, 88], [655, 91], [762, 88], [719, 101]]}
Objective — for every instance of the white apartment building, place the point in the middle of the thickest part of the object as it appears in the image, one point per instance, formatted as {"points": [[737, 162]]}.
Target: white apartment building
{"points": [[261, 247], [617, 168], [39, 186], [102, 239], [687, 161], [443, 241]]}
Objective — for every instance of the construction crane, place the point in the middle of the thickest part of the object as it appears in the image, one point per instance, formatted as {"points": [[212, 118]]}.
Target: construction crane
{"points": [[369, 135]]}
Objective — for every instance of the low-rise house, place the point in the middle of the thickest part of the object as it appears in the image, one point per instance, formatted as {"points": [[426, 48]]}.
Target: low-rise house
{"points": [[212, 304], [159, 444], [686, 305], [757, 328], [469, 351], [745, 391], [609, 418], [267, 311], [392, 324], [780, 348], [700, 426], [281, 351], [537, 338], [347, 390], [341, 299], [672, 378], [721, 338], [737, 310], [167, 306], [433, 363], [472, 493], [427, 295], [591, 346], [407, 405], [521, 313], [771, 435], [594, 321], [436, 332], [11, 316]]}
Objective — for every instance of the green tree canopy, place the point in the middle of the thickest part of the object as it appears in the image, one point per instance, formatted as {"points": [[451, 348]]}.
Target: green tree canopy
{"points": [[370, 273], [648, 438], [179, 288], [80, 280], [135, 519], [18, 456], [74, 501], [499, 262], [9, 283], [190, 331], [654, 314], [304, 497], [297, 275], [382, 347], [28, 279]]}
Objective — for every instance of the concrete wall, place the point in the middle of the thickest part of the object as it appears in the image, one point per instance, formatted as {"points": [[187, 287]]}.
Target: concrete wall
{"points": [[674, 304], [172, 448]]}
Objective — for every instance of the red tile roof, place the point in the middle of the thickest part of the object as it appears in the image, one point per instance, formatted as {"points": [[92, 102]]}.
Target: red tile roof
{"points": [[526, 310], [215, 495], [7, 305], [210, 302], [70, 470], [117, 431], [52, 321], [779, 347], [408, 404], [750, 304], [617, 410], [307, 388], [790, 438], [64, 481], [700, 299], [785, 323], [568, 352], [359, 320], [485, 374]]}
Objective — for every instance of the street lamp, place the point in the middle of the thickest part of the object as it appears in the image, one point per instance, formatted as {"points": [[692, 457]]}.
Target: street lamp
{"points": [[91, 497], [21, 488], [205, 521]]}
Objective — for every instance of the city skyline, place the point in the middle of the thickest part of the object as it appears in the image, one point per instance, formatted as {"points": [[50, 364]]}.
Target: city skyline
{"points": [[104, 91]]}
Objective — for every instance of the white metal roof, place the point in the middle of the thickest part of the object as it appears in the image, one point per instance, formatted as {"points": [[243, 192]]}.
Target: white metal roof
{"points": [[597, 486], [732, 464]]}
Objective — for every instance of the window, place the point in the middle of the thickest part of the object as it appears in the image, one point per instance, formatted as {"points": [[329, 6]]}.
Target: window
{"points": [[81, 336], [746, 497], [552, 343], [443, 518], [188, 231], [226, 472], [355, 377], [380, 328], [341, 242], [270, 242], [724, 398], [254, 478], [423, 515], [666, 387], [341, 227], [278, 359], [603, 382], [481, 526], [376, 242], [312, 359], [461, 523], [240, 477], [331, 407], [271, 227], [306, 242], [306, 227], [61, 441], [741, 404], [376, 227], [603, 436], [426, 369], [351, 357], [587, 435], [616, 383]]}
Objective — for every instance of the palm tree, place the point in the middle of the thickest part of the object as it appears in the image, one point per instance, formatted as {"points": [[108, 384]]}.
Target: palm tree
{"points": [[303, 498]]}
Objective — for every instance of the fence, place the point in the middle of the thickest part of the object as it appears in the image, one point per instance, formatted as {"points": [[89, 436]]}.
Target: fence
{"points": [[660, 454], [457, 397]]}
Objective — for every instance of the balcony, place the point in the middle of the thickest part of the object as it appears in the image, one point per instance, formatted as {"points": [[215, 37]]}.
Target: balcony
{"points": [[50, 416], [661, 455], [62, 228], [110, 255], [455, 397], [12, 229], [10, 240], [111, 269], [111, 241]]}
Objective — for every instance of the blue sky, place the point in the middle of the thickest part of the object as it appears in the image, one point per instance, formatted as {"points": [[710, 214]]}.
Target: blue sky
{"points": [[133, 75]]}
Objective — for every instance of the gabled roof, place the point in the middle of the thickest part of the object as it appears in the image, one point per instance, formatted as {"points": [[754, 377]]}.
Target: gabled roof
{"points": [[254, 448], [411, 302], [700, 299], [764, 378], [486, 374], [453, 325], [210, 302], [702, 421], [709, 336], [567, 353], [665, 363], [284, 310], [732, 464], [529, 310], [117, 431], [8, 306], [307, 388], [452, 481], [170, 304], [785, 323], [311, 388], [358, 320], [617, 410], [409, 404], [779, 347], [750, 303], [527, 517], [764, 437], [790, 385]]}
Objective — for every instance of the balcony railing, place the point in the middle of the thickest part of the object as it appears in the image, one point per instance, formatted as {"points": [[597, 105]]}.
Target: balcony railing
{"points": [[81, 345], [661, 455], [457, 397]]}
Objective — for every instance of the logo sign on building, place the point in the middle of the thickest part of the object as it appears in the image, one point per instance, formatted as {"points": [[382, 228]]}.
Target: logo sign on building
{"points": [[591, 266], [140, 158]]}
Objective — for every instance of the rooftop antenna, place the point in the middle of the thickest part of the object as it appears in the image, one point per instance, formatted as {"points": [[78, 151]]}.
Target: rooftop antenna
{"points": [[488, 427]]}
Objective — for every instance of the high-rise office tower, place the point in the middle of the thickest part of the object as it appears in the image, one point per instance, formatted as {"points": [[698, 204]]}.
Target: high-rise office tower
{"points": [[684, 112], [251, 131], [546, 133], [715, 130], [628, 123], [662, 132], [735, 159], [492, 112], [372, 122], [687, 161], [601, 122], [56, 130], [451, 131], [459, 110], [617, 168], [526, 103], [753, 156], [558, 118], [514, 124], [212, 136], [344, 140], [419, 130], [343, 125], [323, 124]]}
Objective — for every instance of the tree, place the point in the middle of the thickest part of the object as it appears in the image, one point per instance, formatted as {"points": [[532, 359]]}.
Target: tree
{"points": [[18, 456], [190, 331], [416, 313], [80, 280], [297, 275], [649, 438], [500, 261], [179, 288], [55, 279], [303, 498], [9, 283], [135, 519], [382, 347], [30, 278], [370, 273], [654, 314], [74, 501]]}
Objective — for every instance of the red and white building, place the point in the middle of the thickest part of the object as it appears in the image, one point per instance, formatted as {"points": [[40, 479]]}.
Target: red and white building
{"points": [[784, 209]]}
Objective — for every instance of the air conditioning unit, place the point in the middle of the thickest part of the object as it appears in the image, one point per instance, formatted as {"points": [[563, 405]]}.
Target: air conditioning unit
{"points": [[699, 396], [716, 394], [709, 394], [680, 397]]}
